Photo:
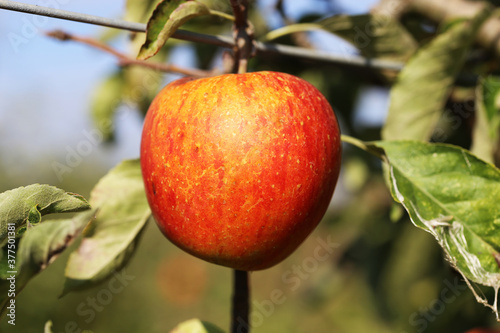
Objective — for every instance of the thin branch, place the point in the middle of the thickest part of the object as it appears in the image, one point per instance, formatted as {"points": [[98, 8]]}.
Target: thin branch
{"points": [[221, 41], [244, 47], [125, 60]]}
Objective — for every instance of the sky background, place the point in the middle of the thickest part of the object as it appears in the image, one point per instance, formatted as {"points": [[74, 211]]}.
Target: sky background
{"points": [[46, 86]]}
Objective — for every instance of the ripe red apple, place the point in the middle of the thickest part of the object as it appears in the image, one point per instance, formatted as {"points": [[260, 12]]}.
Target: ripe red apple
{"points": [[240, 168]]}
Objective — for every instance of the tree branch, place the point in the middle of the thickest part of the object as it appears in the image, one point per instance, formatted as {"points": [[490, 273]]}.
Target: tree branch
{"points": [[240, 305], [244, 47], [125, 60]]}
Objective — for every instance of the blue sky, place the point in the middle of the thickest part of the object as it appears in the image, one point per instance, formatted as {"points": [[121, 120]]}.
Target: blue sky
{"points": [[46, 85]]}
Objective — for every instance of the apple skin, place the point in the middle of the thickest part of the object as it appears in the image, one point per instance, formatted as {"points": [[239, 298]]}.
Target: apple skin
{"points": [[483, 330], [240, 168]]}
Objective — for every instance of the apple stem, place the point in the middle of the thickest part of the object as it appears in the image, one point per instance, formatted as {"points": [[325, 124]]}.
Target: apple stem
{"points": [[240, 303]]}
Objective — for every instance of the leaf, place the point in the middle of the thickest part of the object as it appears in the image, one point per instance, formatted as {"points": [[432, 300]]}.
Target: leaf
{"points": [[375, 36], [487, 124], [48, 327], [110, 240], [168, 16], [28, 204], [106, 100], [39, 246], [139, 10], [453, 195], [196, 326], [423, 85]]}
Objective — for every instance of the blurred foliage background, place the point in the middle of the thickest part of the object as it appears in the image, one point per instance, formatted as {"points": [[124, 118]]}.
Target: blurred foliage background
{"points": [[380, 274]]}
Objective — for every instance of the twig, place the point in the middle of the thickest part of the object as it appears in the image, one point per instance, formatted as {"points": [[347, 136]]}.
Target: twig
{"points": [[244, 48], [125, 60], [241, 307]]}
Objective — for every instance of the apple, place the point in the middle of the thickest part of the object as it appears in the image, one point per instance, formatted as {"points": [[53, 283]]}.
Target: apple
{"points": [[483, 330], [240, 168]]}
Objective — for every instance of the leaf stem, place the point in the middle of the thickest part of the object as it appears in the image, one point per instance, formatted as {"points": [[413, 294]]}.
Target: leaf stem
{"points": [[222, 14], [240, 303], [366, 146], [290, 29], [353, 141]]}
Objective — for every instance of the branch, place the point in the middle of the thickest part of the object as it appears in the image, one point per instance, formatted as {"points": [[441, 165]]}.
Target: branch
{"points": [[221, 41], [240, 305], [125, 60], [244, 47]]}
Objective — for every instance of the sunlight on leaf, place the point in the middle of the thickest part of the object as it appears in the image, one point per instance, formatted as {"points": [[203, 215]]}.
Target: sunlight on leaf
{"points": [[196, 326], [48, 327]]}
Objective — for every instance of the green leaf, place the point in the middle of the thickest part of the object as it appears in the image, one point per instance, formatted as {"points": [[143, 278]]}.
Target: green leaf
{"points": [[106, 100], [453, 195], [196, 326], [375, 36], [111, 239], [423, 86], [39, 247], [168, 16], [27, 204], [139, 10], [487, 124]]}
